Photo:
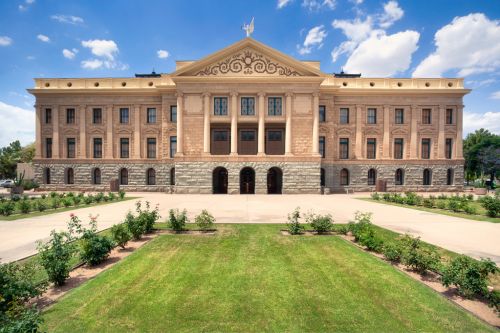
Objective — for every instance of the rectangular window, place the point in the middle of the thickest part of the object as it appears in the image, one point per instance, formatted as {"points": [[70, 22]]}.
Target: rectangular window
{"points": [[173, 113], [221, 136], [124, 148], [372, 116], [97, 116], [123, 115], [344, 115], [371, 148], [70, 116], [247, 106], [449, 116], [71, 147], [322, 149], [448, 148], [173, 146], [48, 147], [151, 151], [274, 135], [274, 106], [399, 116], [344, 148], [322, 113], [426, 116], [97, 147], [48, 116], [220, 106], [398, 149], [426, 148], [151, 115], [247, 135]]}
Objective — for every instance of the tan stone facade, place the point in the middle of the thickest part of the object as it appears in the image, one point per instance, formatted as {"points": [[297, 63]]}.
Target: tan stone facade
{"points": [[249, 119]]}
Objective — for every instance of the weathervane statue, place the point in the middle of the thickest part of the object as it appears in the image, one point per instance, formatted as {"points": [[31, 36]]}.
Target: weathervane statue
{"points": [[248, 28]]}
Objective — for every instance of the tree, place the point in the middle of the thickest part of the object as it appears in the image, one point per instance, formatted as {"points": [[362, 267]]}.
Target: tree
{"points": [[479, 159], [11, 155]]}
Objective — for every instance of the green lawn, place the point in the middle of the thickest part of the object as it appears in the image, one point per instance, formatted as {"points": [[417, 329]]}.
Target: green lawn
{"points": [[250, 278]]}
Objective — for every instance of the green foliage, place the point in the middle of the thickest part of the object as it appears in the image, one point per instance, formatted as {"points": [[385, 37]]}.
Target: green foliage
{"points": [[94, 248], [493, 298], [375, 196], [412, 199], [204, 220], [121, 194], [24, 206], [67, 202], [481, 150], [41, 205], [55, 256], [470, 209], [293, 224], [454, 204], [99, 197], [177, 219], [120, 234], [417, 257], [77, 200], [393, 251], [364, 233], [88, 199], [343, 229], [427, 202], [441, 204], [134, 226], [53, 194], [147, 217], [29, 184], [320, 223], [492, 205], [18, 181], [7, 208], [55, 203], [111, 196]]}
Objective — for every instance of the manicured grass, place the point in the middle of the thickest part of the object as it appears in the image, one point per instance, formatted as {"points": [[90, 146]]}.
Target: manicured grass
{"points": [[250, 278], [481, 216]]}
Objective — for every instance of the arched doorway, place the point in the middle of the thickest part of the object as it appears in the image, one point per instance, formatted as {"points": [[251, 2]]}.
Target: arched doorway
{"points": [[274, 181], [219, 180], [247, 181]]}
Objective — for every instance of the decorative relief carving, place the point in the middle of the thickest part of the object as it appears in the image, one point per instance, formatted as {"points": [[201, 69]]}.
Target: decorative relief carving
{"points": [[248, 62]]}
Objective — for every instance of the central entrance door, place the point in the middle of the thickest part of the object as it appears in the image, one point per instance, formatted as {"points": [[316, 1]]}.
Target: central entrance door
{"points": [[274, 181], [219, 181], [247, 181]]}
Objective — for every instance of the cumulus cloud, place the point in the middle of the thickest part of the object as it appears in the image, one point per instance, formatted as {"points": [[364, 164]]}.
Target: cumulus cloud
{"points": [[92, 64], [69, 54], [16, 115], [488, 120], [5, 41], [496, 95], [314, 38], [70, 19], [392, 13], [283, 3], [469, 45], [43, 38], [102, 48], [355, 30], [162, 54], [315, 5]]}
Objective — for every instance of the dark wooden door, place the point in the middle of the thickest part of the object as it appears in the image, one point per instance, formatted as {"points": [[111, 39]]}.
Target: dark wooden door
{"points": [[247, 181]]}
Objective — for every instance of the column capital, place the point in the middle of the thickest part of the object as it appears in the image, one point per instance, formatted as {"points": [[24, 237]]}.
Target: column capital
{"points": [[233, 94], [442, 106], [316, 94], [179, 94], [387, 106], [261, 94], [414, 106], [205, 94], [289, 94], [359, 106]]}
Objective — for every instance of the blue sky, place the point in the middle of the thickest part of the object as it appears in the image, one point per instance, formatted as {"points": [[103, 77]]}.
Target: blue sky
{"points": [[49, 38]]}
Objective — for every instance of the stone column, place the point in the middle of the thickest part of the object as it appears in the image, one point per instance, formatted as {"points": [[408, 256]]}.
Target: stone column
{"points": [[180, 124], [55, 132], [262, 126], [109, 131], [441, 114], [206, 123], [137, 131], [83, 137], [288, 128], [413, 132], [38, 129], [234, 123], [315, 131], [358, 152], [459, 140], [386, 143]]}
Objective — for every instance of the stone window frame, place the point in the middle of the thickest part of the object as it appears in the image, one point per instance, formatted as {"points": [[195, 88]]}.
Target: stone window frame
{"points": [[345, 177], [67, 146], [173, 114], [322, 146], [247, 131], [322, 177], [322, 113], [69, 176], [343, 141], [275, 112], [120, 147], [248, 111], [71, 116], [450, 177], [93, 142], [402, 148], [94, 118], [370, 141], [396, 118], [371, 178], [150, 177], [96, 176], [146, 147], [122, 117], [373, 118], [429, 152], [46, 176], [400, 182], [171, 174], [427, 177], [452, 115], [448, 148], [48, 116], [153, 117], [218, 106], [171, 152], [426, 120], [48, 152], [348, 115], [123, 176]]}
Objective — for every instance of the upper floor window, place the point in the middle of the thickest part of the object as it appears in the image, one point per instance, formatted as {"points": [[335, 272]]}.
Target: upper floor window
{"points": [[399, 116], [426, 116], [70, 147], [48, 116], [220, 106], [151, 115], [274, 135], [344, 148], [247, 106], [322, 113], [124, 116], [70, 116], [247, 135], [48, 147], [124, 148], [448, 148], [173, 146], [371, 148], [173, 113], [426, 148], [222, 135], [322, 149], [398, 148], [97, 148], [151, 147], [344, 115], [97, 116], [449, 116], [372, 116], [274, 105]]}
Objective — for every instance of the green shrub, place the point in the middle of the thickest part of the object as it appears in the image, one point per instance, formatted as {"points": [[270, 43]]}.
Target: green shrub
{"points": [[342, 229], [293, 224], [493, 298], [177, 220], [94, 248], [418, 258], [55, 256], [441, 204], [492, 205], [55, 203], [204, 220], [470, 209], [411, 198], [393, 251], [111, 196], [427, 202], [67, 202], [320, 223], [41, 205], [120, 234], [375, 196], [454, 204], [61, 195], [7, 208], [134, 226], [386, 197], [24, 206], [53, 194], [43, 196], [77, 200], [106, 198], [470, 197], [81, 195], [88, 199], [147, 217], [99, 197], [121, 194], [25, 197], [70, 195], [364, 233], [442, 197]]}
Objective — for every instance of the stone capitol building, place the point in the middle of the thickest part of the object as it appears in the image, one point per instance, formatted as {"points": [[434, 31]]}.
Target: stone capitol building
{"points": [[249, 119]]}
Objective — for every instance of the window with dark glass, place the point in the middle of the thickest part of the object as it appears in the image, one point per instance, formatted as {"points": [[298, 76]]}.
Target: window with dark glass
{"points": [[344, 148], [398, 148], [371, 148], [97, 147], [322, 113], [247, 106], [221, 135], [124, 148], [247, 135], [427, 177], [48, 147], [322, 148], [426, 148], [172, 176], [124, 115], [70, 147], [70, 176], [70, 116], [220, 106], [449, 116], [448, 148], [173, 146], [274, 105], [151, 151], [344, 115], [344, 177], [97, 116], [173, 113], [46, 175], [399, 116], [426, 116], [48, 116], [151, 115], [372, 176], [151, 176], [322, 180], [399, 177], [372, 115], [274, 135], [123, 176], [96, 176], [450, 176]]}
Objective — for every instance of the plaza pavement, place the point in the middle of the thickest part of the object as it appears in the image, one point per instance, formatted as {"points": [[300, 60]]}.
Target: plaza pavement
{"points": [[474, 238]]}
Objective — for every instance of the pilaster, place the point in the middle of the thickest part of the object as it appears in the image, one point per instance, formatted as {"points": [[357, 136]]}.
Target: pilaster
{"points": [[288, 128], [109, 131], [137, 132], [234, 123], [413, 132], [315, 131], [261, 134], [82, 110], [55, 132], [180, 124], [441, 138], [386, 150], [38, 129], [206, 123], [459, 139], [358, 151]]}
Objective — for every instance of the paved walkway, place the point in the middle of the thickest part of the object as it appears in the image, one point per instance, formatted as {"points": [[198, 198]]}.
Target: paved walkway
{"points": [[474, 238]]}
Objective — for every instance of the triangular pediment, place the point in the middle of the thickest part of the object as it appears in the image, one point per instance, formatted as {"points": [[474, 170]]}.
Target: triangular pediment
{"points": [[248, 58]]}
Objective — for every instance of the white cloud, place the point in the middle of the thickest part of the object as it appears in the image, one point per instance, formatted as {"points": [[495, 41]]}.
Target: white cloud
{"points": [[69, 54], [5, 41], [314, 37], [70, 19], [92, 64], [162, 54], [101, 48], [315, 5], [283, 3], [469, 44], [392, 13], [43, 38], [30, 57], [25, 7], [383, 55], [496, 95], [97, 63], [480, 83], [355, 30], [9, 131], [488, 120]]}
